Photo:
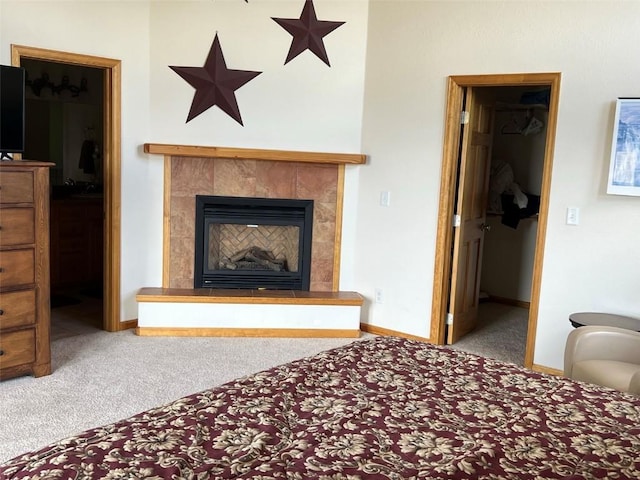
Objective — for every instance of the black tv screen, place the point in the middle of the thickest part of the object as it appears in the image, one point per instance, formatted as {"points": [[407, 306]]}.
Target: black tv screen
{"points": [[11, 110]]}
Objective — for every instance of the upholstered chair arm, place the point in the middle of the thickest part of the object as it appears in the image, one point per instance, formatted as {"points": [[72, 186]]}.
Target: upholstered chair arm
{"points": [[634, 386], [601, 343]]}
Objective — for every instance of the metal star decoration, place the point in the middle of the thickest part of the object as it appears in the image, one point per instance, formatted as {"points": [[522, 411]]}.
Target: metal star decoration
{"points": [[215, 84], [307, 32]]}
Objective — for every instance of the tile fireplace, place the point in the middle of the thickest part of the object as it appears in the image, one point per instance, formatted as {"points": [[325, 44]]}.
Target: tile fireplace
{"points": [[193, 176], [309, 182]]}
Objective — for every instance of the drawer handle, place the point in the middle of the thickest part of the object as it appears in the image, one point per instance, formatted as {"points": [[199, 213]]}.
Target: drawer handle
{"points": [[1, 352], [1, 312]]}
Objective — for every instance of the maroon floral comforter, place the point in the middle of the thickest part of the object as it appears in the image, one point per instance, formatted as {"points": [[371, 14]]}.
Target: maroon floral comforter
{"points": [[385, 408]]}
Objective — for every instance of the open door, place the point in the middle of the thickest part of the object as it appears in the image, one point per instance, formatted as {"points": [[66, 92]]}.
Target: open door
{"points": [[444, 289], [470, 212], [111, 165]]}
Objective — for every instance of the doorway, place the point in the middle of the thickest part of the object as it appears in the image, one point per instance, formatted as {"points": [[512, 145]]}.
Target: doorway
{"points": [[109, 133], [457, 143]]}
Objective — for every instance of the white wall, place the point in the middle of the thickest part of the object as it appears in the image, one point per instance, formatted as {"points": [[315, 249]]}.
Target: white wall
{"points": [[304, 105], [413, 47]]}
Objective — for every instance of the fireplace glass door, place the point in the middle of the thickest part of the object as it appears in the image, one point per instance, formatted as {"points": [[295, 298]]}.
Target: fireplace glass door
{"points": [[253, 243]]}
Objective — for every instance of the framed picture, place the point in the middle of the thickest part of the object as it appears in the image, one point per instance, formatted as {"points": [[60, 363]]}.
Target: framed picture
{"points": [[624, 168]]}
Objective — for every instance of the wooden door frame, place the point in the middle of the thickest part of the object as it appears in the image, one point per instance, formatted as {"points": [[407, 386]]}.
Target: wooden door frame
{"points": [[444, 241], [112, 160]]}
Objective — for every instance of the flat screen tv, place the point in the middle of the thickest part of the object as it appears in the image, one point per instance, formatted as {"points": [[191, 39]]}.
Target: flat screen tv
{"points": [[12, 87]]}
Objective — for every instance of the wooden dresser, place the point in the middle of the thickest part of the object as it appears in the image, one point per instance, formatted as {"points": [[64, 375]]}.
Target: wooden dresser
{"points": [[24, 269]]}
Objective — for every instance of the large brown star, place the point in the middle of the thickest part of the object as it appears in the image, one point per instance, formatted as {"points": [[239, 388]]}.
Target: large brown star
{"points": [[215, 84], [307, 32]]}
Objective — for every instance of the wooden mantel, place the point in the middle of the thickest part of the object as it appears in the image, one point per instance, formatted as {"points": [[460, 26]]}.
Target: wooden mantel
{"points": [[254, 154]]}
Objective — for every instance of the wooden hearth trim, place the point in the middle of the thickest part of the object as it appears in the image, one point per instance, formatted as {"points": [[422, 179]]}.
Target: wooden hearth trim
{"points": [[246, 332], [254, 154], [273, 297]]}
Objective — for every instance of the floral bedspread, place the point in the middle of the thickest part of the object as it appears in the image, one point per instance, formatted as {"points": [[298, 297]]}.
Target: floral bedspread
{"points": [[385, 408]]}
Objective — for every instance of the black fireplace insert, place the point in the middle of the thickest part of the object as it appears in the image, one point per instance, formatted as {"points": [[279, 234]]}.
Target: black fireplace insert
{"points": [[253, 243]]}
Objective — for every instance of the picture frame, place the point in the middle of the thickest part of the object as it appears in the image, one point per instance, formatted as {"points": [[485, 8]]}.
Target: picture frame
{"points": [[624, 166]]}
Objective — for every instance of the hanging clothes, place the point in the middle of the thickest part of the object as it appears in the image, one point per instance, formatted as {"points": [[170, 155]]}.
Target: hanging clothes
{"points": [[512, 213], [88, 156]]}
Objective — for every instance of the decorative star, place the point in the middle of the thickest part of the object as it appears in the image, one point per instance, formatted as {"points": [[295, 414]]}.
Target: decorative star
{"points": [[307, 32], [215, 84]]}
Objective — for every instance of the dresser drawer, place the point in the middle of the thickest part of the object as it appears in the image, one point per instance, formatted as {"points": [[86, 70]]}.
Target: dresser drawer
{"points": [[17, 226], [17, 267], [16, 187], [17, 309], [17, 348]]}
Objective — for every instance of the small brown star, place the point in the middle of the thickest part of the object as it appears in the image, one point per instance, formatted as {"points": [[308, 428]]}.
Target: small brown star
{"points": [[307, 32], [215, 84]]}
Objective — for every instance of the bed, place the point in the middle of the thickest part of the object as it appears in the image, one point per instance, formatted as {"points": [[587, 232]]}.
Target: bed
{"points": [[380, 408]]}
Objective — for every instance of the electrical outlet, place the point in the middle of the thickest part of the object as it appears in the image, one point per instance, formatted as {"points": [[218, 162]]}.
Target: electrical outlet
{"points": [[385, 198], [379, 296]]}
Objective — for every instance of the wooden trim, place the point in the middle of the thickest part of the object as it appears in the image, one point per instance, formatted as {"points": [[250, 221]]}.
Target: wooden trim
{"points": [[254, 154], [23, 163], [506, 79], [262, 297], [541, 233], [246, 332], [112, 165], [442, 271], [113, 194], [166, 224], [547, 370], [129, 324], [390, 333], [337, 242], [36, 53], [444, 235], [509, 301]]}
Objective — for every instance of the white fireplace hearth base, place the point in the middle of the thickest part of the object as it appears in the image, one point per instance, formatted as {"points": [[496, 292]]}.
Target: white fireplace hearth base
{"points": [[247, 313]]}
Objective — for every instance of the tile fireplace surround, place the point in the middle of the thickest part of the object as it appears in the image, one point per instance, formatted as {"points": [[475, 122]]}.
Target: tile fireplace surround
{"points": [[195, 170]]}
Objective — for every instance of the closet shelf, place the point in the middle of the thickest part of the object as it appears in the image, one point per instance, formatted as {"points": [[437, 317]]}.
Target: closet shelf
{"points": [[496, 214], [519, 107]]}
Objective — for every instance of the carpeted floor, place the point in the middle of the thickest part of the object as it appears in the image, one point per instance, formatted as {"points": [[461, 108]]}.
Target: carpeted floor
{"points": [[501, 333]]}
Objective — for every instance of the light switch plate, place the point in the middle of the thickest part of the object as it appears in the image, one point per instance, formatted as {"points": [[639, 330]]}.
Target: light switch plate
{"points": [[573, 215]]}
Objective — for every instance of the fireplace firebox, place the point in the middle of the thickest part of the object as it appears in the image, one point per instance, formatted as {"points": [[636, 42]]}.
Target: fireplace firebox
{"points": [[253, 243]]}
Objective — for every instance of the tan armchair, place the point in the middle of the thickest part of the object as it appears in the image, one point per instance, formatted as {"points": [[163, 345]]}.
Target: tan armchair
{"points": [[607, 356]]}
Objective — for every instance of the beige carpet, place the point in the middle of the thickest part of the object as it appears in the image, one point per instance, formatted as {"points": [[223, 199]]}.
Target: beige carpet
{"points": [[501, 333]]}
